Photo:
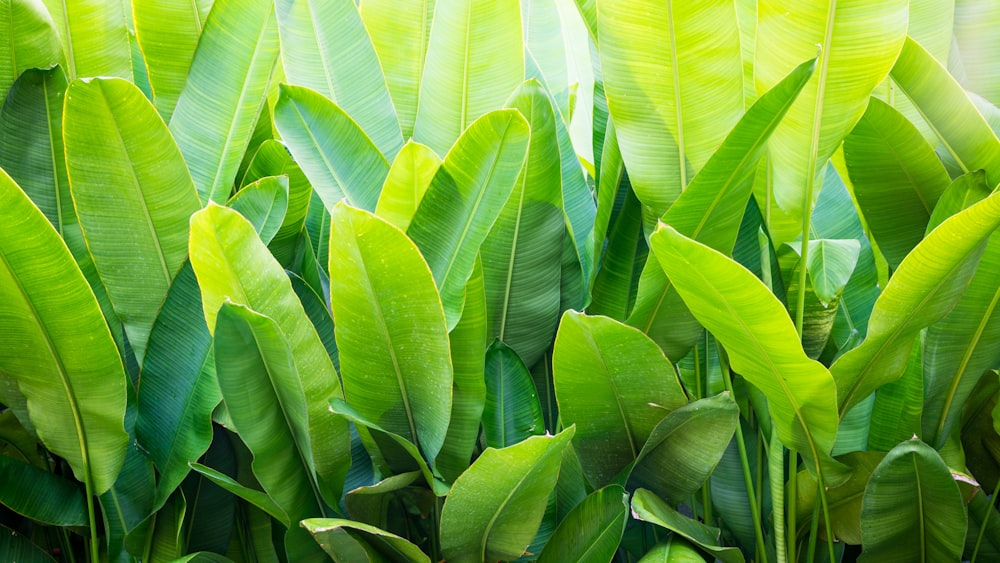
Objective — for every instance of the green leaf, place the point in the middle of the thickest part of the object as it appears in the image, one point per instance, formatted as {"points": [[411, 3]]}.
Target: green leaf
{"points": [[684, 448], [400, 31], [675, 550], [324, 46], [55, 345], [475, 59], [273, 159], [975, 43], [216, 111], [912, 508], [337, 156], [673, 95], [844, 501], [263, 203], [16, 547], [924, 289], [40, 495], [710, 211], [831, 263], [512, 412], [897, 178], [648, 508], [495, 507], [232, 263], [133, 196], [615, 287], [95, 37], [331, 533], [762, 343], [262, 392], [409, 177], [465, 198], [168, 33], [592, 530], [615, 385], [256, 498], [858, 45], [390, 328], [898, 406], [963, 131], [30, 42]]}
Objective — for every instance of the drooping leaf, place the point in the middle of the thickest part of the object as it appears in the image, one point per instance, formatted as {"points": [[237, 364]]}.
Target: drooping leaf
{"points": [[223, 95], [615, 385], [339, 159], [475, 59], [465, 198], [17, 547], [912, 508], [495, 507], [30, 41], [332, 533], [133, 196], [256, 498], [592, 530], [512, 412], [263, 203], [647, 507], [409, 177], [39, 495], [55, 345], [324, 46], [94, 37], [390, 326]]}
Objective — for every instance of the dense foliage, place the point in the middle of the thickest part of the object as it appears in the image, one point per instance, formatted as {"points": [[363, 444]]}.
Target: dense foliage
{"points": [[481, 280]]}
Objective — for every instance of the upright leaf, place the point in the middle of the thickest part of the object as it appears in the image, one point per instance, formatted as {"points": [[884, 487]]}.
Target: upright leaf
{"points": [[592, 530], [390, 327], [133, 195], [56, 347], [216, 111], [975, 43], [409, 177], [263, 203], [94, 36], [30, 42], [475, 59], [512, 412], [273, 159]]}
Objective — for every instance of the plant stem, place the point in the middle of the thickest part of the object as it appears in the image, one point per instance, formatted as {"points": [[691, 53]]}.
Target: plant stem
{"points": [[95, 552], [793, 486], [813, 530], [776, 471], [989, 511]]}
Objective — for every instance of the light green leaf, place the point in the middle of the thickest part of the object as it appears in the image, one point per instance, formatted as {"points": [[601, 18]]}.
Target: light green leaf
{"points": [[615, 385], [324, 46], [592, 530], [336, 155], [673, 94], [545, 44], [263, 203], [330, 533], [409, 177], [762, 343], [924, 289], [495, 507], [56, 347], [858, 44], [231, 263], [133, 196], [898, 406], [465, 198], [897, 178], [475, 59], [167, 32], [225, 90], [912, 508], [94, 36], [30, 40], [390, 327], [512, 412], [273, 159], [521, 253], [977, 45], [831, 263], [400, 31], [684, 448], [648, 508]]}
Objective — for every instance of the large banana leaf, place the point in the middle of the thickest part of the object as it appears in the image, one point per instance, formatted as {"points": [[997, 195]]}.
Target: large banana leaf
{"points": [[977, 44], [591, 532], [40, 495], [56, 347], [762, 342], [545, 54], [216, 111], [475, 59], [615, 385], [346, 540], [963, 131], [264, 397], [273, 159], [232, 263], [912, 508], [133, 196], [521, 253], [324, 46], [858, 43], [512, 412], [30, 41], [897, 178], [925, 287], [95, 37], [674, 94], [616, 285], [495, 507], [168, 33], [390, 327], [338, 157], [711, 210], [263, 203], [409, 177], [649, 508], [465, 198]]}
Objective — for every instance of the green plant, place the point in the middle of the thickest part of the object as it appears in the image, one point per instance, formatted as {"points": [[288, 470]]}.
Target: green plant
{"points": [[481, 280]]}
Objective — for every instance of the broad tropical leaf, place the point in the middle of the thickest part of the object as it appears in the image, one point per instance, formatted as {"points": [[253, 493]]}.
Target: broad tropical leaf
{"points": [[512, 412], [273, 159], [409, 177], [591, 532], [31, 40], [649, 508], [95, 37], [339, 538], [264, 204], [974, 20], [40, 495], [844, 501]]}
